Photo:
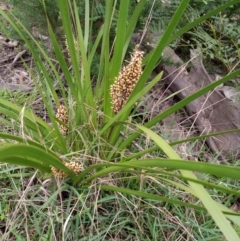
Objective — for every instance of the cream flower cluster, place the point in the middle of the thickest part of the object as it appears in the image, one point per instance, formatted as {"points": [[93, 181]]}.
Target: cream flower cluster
{"points": [[125, 82]]}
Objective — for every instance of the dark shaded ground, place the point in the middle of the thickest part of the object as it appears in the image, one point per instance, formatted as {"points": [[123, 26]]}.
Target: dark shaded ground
{"points": [[12, 73]]}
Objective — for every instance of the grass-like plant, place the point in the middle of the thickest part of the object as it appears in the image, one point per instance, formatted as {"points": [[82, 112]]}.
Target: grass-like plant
{"points": [[88, 125]]}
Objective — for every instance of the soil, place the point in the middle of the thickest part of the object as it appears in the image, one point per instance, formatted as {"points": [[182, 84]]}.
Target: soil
{"points": [[13, 75]]}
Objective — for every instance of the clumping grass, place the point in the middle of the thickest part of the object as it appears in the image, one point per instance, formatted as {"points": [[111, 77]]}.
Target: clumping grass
{"points": [[132, 184], [38, 208]]}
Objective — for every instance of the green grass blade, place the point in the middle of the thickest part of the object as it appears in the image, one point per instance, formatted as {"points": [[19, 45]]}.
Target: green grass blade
{"points": [[33, 153], [94, 47], [149, 196], [46, 89], [133, 21], [156, 54], [173, 164], [87, 22], [104, 68], [203, 195], [191, 139], [117, 58], [33, 125], [179, 105], [19, 161], [85, 73], [127, 107]]}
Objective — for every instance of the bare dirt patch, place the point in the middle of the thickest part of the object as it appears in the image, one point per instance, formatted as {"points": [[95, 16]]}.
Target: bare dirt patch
{"points": [[15, 62], [13, 75]]}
